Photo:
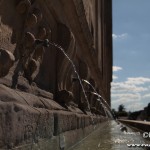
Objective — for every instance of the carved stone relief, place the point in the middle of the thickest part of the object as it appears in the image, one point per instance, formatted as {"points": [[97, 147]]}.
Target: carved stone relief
{"points": [[23, 6], [65, 68], [6, 62], [32, 47]]}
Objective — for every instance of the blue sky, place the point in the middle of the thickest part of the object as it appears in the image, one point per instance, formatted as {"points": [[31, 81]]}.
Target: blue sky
{"points": [[131, 54]]}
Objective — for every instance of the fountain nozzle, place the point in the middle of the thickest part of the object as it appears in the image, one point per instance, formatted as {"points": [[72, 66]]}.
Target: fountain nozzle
{"points": [[74, 79], [44, 43]]}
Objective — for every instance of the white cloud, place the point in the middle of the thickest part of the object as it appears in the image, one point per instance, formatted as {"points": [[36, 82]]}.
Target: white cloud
{"points": [[121, 36], [130, 104], [137, 81], [130, 101], [127, 95], [146, 96], [135, 106], [115, 77], [116, 68], [131, 93], [124, 100], [125, 87], [121, 98]]}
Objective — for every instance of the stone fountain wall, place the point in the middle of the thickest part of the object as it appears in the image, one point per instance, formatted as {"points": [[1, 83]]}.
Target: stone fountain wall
{"points": [[40, 96]]}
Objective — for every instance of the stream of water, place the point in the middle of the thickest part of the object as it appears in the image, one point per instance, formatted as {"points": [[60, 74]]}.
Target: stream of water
{"points": [[100, 98], [74, 67]]}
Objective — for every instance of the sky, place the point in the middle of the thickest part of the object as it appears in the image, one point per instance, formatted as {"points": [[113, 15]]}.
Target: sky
{"points": [[131, 54]]}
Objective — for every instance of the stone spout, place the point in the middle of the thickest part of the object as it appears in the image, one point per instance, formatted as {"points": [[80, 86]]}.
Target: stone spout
{"points": [[64, 97], [44, 43], [74, 79]]}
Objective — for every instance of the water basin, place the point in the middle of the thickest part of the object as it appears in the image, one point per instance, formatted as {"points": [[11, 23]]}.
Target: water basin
{"points": [[109, 137]]}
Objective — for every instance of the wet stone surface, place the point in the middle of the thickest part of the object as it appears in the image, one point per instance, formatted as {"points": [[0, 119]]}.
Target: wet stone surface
{"points": [[110, 137]]}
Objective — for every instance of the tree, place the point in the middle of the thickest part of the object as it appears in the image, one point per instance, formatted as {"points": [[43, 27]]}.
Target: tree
{"points": [[121, 108], [121, 111], [148, 109]]}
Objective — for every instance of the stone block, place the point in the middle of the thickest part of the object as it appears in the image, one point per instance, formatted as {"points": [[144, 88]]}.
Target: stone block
{"points": [[22, 124], [64, 121]]}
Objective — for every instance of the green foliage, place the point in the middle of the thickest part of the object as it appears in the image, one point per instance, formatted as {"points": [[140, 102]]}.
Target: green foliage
{"points": [[121, 108], [134, 115], [121, 111], [122, 114], [148, 109]]}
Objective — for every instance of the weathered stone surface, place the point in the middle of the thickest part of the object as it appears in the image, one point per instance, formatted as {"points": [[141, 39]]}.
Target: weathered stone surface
{"points": [[23, 5], [24, 124], [31, 116], [38, 54], [31, 20], [80, 121], [38, 14], [64, 122], [42, 93], [31, 70], [26, 118], [29, 39], [41, 33], [74, 109], [64, 97], [15, 96]]}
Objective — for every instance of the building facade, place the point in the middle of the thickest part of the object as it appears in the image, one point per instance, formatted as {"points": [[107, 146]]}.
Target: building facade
{"points": [[41, 94]]}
